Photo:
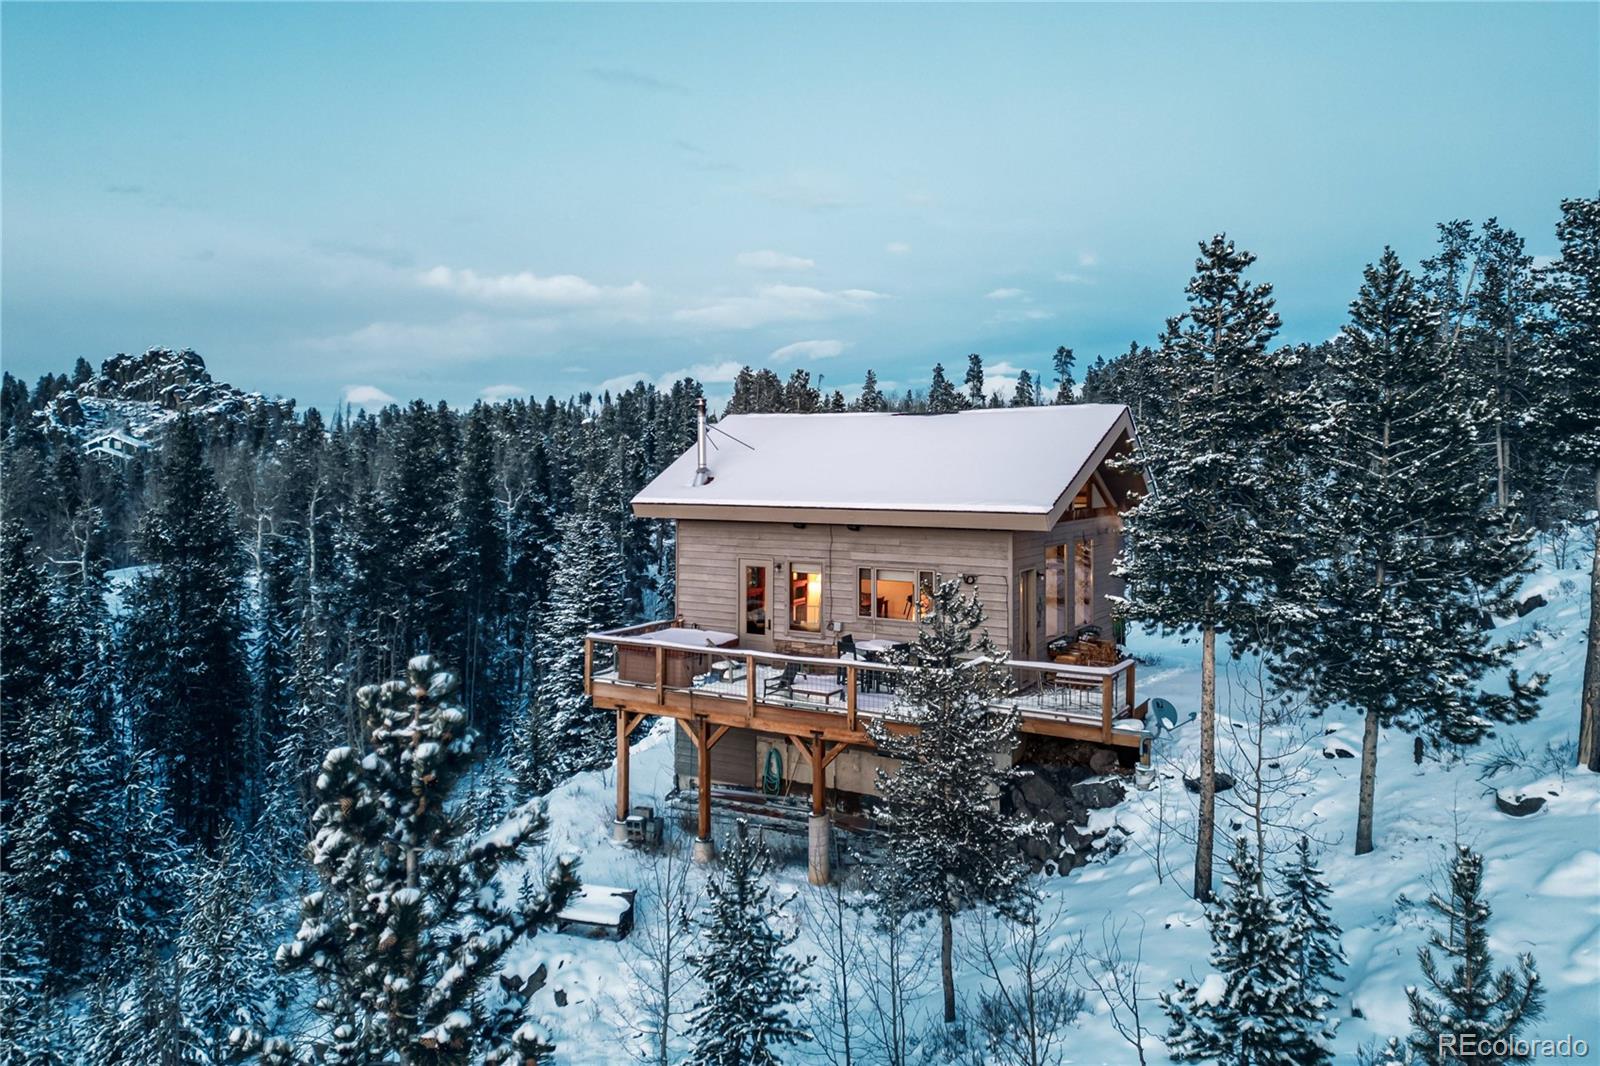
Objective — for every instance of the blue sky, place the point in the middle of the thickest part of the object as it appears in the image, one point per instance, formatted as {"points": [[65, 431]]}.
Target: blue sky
{"points": [[438, 200]]}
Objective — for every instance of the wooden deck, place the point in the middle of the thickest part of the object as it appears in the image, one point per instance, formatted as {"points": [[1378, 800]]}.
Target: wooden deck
{"points": [[1083, 703]]}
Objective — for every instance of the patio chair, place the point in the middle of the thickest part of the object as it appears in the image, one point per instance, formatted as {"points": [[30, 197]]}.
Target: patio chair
{"points": [[782, 683]]}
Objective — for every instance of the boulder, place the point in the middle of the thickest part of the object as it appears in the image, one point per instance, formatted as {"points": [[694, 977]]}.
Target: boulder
{"points": [[1532, 603], [1224, 782], [1516, 804], [1102, 761], [1099, 794]]}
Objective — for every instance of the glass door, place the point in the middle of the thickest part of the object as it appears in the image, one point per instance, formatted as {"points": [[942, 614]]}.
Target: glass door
{"points": [[755, 603]]}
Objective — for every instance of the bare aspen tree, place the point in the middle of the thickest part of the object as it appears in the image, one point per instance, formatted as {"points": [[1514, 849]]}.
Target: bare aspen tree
{"points": [[1112, 972], [1030, 1001], [653, 956]]}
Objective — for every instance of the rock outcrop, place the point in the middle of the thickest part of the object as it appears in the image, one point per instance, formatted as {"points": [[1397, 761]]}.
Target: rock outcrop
{"points": [[1061, 798]]}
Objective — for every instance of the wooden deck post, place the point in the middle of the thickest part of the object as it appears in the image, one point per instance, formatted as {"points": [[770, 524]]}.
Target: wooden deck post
{"points": [[749, 686], [588, 666], [1132, 703], [619, 828], [819, 831], [1106, 700], [704, 740], [850, 698], [661, 674]]}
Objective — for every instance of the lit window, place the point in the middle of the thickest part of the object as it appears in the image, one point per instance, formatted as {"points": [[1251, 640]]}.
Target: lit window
{"points": [[899, 595], [805, 597]]}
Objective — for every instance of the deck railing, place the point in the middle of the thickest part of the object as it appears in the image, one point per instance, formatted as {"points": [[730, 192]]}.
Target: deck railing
{"points": [[856, 689]]}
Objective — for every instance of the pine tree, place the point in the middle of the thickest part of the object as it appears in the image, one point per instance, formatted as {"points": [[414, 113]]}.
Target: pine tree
{"points": [[134, 1016], [1472, 1002], [26, 666], [750, 983], [799, 395], [1251, 1010], [1313, 946], [413, 919], [1062, 361], [583, 599], [478, 564], [145, 870], [974, 380], [225, 977], [1570, 362], [1204, 547], [871, 399], [947, 847], [183, 643], [1412, 550], [942, 396], [1024, 395]]}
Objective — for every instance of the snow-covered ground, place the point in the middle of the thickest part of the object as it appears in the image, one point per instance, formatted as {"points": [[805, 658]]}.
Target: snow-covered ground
{"points": [[1542, 872]]}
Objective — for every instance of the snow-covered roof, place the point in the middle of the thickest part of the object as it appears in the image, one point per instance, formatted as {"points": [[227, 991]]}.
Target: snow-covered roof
{"points": [[994, 468], [117, 435]]}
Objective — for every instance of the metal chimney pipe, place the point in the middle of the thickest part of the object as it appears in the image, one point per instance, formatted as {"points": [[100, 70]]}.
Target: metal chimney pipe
{"points": [[702, 473]]}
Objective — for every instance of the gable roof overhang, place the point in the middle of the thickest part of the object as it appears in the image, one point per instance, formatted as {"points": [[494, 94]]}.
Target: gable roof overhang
{"points": [[1118, 440]]}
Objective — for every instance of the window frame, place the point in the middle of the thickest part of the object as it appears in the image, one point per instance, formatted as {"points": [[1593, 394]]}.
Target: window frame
{"points": [[822, 596], [921, 577]]}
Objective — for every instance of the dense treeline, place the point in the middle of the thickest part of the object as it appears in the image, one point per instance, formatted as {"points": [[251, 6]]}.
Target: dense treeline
{"points": [[164, 726]]}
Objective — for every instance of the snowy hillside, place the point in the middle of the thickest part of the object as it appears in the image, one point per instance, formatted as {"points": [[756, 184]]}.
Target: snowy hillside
{"points": [[1542, 872]]}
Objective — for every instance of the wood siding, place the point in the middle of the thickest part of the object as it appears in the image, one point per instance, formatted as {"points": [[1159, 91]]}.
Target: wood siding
{"points": [[733, 760], [709, 591]]}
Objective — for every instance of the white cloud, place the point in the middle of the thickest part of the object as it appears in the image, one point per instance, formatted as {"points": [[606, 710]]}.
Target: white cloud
{"points": [[367, 396], [1087, 259], [706, 373], [807, 350], [778, 303], [1066, 277], [525, 288], [770, 260], [497, 393], [897, 247], [1005, 294]]}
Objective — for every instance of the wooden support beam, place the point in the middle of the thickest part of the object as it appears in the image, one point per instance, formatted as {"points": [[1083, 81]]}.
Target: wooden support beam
{"points": [[1128, 695], [588, 666], [819, 776], [750, 686], [661, 673], [850, 697], [703, 825], [718, 735], [834, 752], [1106, 711], [622, 764]]}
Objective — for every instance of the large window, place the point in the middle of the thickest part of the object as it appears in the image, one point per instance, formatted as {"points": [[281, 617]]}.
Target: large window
{"points": [[901, 595], [805, 597], [1083, 580], [1057, 609]]}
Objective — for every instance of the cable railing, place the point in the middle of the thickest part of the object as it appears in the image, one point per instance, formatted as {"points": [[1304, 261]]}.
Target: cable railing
{"points": [[676, 662]]}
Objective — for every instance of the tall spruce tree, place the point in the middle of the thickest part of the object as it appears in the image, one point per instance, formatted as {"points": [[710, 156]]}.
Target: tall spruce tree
{"points": [[413, 919], [974, 380], [1314, 950], [182, 643], [1062, 361], [1252, 1010], [947, 846], [1413, 551], [871, 399], [750, 983], [1218, 526], [26, 667], [1024, 395], [1472, 1003], [583, 598], [942, 396], [1570, 360]]}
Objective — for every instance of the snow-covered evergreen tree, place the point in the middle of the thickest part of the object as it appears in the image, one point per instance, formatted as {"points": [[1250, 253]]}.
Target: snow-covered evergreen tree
{"points": [[583, 598], [412, 920], [871, 399], [1062, 361], [182, 644], [1251, 1009], [1413, 553], [1314, 949], [942, 395], [750, 983], [1570, 361], [1471, 1000], [974, 381], [26, 665], [947, 847], [145, 870], [1204, 545], [223, 963], [1025, 394]]}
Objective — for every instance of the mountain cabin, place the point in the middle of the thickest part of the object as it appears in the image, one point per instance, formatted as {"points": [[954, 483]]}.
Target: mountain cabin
{"points": [[807, 546]]}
